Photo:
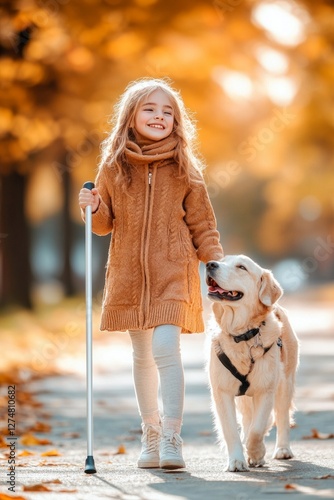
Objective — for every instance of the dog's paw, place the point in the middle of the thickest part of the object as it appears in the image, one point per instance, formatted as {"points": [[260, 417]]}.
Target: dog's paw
{"points": [[256, 450], [235, 465], [256, 462], [283, 453]]}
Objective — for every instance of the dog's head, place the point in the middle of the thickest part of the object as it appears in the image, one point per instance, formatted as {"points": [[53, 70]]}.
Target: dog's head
{"points": [[239, 282]]}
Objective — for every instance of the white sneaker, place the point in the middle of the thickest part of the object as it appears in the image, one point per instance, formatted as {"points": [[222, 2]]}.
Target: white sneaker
{"points": [[171, 451], [149, 456]]}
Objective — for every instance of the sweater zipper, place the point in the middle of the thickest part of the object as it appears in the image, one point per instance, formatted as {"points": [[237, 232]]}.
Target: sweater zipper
{"points": [[145, 297]]}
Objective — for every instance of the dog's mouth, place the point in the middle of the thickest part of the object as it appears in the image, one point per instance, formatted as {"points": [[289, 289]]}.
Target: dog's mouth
{"points": [[215, 291]]}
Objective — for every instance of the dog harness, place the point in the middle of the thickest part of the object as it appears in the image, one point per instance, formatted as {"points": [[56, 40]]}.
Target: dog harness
{"points": [[225, 360]]}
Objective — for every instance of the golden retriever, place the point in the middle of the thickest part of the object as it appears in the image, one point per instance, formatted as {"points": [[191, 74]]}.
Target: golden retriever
{"points": [[253, 355]]}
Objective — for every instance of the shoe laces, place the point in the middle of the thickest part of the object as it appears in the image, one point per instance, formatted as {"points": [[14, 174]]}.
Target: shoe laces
{"points": [[172, 442], [151, 437]]}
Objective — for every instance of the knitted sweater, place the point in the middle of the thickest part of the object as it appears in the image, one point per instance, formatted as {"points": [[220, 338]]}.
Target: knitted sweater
{"points": [[161, 228]]}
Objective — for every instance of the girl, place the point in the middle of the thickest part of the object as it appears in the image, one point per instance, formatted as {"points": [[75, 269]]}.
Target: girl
{"points": [[151, 195]]}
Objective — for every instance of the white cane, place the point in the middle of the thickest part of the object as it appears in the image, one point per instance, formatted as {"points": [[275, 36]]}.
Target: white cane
{"points": [[89, 464]]}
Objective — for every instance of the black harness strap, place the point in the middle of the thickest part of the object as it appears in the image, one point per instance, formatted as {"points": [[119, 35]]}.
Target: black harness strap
{"points": [[225, 360]]}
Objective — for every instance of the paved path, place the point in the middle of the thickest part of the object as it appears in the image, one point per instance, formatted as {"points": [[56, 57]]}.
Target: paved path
{"points": [[309, 475]]}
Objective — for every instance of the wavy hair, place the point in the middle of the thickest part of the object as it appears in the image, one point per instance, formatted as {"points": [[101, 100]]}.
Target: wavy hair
{"points": [[113, 147]]}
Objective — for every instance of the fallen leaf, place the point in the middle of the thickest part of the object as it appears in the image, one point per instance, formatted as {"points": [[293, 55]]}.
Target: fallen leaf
{"points": [[44, 414], [3, 443], [44, 463], [3, 496], [311, 492], [315, 434], [121, 450], [31, 440], [51, 453], [289, 487], [71, 435], [36, 487], [67, 491], [9, 378], [25, 453], [40, 427], [28, 399]]}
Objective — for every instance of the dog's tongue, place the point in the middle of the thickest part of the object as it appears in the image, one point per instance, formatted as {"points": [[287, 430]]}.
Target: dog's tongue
{"points": [[217, 289]]}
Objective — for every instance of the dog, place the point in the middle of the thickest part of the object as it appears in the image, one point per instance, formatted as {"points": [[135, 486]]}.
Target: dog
{"points": [[254, 355]]}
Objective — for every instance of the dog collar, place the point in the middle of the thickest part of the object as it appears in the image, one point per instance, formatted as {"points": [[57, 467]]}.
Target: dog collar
{"points": [[248, 335]]}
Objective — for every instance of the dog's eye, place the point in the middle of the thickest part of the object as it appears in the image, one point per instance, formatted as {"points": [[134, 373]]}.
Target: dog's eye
{"points": [[242, 267]]}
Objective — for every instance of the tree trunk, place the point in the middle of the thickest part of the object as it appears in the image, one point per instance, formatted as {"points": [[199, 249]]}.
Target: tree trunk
{"points": [[15, 270], [67, 275]]}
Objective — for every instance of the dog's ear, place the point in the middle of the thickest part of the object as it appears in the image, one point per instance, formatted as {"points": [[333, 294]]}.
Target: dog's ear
{"points": [[270, 291]]}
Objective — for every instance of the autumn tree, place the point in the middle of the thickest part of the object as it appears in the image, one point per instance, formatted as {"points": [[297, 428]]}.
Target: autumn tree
{"points": [[258, 75]]}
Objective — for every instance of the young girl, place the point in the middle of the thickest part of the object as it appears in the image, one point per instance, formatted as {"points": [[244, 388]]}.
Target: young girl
{"points": [[151, 195]]}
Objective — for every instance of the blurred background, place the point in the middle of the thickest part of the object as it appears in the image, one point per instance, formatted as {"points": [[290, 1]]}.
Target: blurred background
{"points": [[258, 77]]}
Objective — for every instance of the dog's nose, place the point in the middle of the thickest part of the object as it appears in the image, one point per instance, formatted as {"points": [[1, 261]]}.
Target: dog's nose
{"points": [[212, 265]]}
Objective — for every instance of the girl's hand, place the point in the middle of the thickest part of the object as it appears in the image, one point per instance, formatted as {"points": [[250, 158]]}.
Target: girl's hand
{"points": [[89, 197]]}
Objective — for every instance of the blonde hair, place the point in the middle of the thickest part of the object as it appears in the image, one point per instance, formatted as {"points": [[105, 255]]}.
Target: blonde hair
{"points": [[113, 147]]}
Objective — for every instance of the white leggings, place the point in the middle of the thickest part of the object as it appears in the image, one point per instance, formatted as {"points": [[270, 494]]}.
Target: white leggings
{"points": [[158, 351]]}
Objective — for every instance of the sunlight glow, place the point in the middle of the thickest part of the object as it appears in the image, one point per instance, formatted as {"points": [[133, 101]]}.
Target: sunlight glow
{"points": [[236, 85], [282, 21], [310, 208], [281, 91], [272, 60]]}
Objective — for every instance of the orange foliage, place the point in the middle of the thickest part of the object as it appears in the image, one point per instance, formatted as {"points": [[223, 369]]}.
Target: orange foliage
{"points": [[31, 440]]}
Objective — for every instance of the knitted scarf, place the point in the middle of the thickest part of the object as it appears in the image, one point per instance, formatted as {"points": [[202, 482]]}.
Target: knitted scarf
{"points": [[161, 153]]}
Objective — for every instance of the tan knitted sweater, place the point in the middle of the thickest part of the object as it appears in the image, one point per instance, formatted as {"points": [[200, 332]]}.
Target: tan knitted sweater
{"points": [[161, 228]]}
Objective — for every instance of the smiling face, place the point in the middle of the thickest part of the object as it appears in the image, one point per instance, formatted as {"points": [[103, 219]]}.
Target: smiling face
{"points": [[231, 278], [154, 118], [238, 279]]}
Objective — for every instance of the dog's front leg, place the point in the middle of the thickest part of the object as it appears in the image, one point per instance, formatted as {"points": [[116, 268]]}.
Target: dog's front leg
{"points": [[226, 414], [263, 404]]}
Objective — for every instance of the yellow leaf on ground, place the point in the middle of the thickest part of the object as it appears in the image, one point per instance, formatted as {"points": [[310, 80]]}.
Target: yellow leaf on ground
{"points": [[315, 434], [44, 463], [121, 450], [31, 440], [25, 453], [51, 453], [3, 496], [40, 427], [290, 487], [36, 487], [309, 491]]}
